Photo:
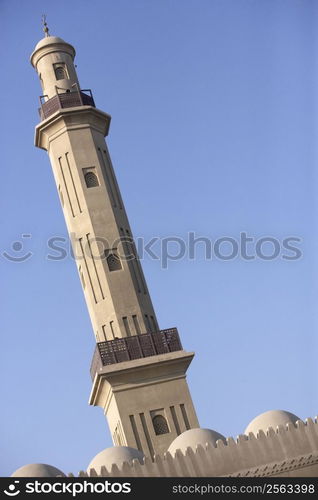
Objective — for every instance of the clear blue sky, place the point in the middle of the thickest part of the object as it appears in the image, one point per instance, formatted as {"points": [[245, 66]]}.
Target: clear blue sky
{"points": [[214, 130]]}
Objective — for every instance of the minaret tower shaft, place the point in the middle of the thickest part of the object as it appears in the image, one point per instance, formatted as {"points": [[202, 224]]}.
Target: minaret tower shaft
{"points": [[138, 371]]}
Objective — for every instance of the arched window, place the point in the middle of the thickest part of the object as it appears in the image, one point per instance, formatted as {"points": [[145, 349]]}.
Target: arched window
{"points": [[160, 425], [60, 72], [113, 262], [91, 179]]}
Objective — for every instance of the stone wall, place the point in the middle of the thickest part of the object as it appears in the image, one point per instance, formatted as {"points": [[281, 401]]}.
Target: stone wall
{"points": [[287, 451]]}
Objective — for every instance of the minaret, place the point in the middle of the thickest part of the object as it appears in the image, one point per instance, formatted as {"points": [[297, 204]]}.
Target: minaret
{"points": [[138, 370]]}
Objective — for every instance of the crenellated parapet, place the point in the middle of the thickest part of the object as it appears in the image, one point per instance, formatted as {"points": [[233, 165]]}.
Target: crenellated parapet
{"points": [[290, 450]]}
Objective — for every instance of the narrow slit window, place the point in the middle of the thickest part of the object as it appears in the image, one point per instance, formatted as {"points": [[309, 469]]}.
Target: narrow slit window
{"points": [[148, 324], [82, 276], [185, 416], [111, 324], [117, 437], [126, 324], [153, 323], [136, 324], [61, 196], [104, 332], [83, 279]]}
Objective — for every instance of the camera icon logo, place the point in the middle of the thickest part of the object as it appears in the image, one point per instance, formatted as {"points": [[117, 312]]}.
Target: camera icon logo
{"points": [[13, 489]]}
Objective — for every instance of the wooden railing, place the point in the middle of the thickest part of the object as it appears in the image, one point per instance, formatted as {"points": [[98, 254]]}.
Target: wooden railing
{"points": [[135, 347], [65, 100]]}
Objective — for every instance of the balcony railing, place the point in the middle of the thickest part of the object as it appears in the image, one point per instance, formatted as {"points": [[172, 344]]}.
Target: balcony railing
{"points": [[135, 347], [65, 100]]}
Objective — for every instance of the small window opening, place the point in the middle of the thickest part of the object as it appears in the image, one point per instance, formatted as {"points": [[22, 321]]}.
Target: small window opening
{"points": [[91, 179], [113, 261], [60, 71], [160, 425]]}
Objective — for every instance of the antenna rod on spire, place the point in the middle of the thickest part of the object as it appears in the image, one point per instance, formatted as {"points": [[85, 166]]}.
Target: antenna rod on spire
{"points": [[45, 26]]}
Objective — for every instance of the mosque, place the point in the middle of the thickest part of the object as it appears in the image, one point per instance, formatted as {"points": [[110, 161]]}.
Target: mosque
{"points": [[138, 371]]}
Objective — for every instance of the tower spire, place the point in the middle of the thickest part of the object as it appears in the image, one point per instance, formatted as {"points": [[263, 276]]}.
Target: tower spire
{"points": [[45, 26]]}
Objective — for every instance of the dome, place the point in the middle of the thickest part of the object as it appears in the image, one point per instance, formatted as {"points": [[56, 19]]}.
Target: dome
{"points": [[54, 41], [192, 438], [38, 470], [271, 418], [49, 40], [115, 455]]}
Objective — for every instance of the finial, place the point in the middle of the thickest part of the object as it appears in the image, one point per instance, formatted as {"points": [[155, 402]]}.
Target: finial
{"points": [[45, 26]]}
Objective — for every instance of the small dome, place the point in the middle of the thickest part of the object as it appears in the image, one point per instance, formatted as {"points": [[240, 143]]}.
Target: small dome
{"points": [[49, 40], [54, 41], [115, 455], [38, 470], [192, 438], [271, 418]]}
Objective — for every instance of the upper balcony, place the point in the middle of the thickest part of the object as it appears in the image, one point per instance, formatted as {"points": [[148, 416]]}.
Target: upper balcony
{"points": [[64, 100], [135, 347]]}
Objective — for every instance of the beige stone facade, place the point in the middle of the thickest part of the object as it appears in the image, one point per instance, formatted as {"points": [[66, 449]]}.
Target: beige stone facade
{"points": [[134, 397], [146, 398]]}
